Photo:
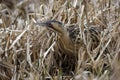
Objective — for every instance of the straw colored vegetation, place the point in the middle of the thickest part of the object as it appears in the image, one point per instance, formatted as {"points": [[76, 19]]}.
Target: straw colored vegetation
{"points": [[89, 48]]}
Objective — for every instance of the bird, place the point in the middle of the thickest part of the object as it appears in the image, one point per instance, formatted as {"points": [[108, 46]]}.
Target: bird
{"points": [[69, 42], [64, 41], [69, 39], [67, 59]]}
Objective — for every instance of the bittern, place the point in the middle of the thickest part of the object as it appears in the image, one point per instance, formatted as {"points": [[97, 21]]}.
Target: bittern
{"points": [[64, 41], [68, 45], [67, 37], [67, 60]]}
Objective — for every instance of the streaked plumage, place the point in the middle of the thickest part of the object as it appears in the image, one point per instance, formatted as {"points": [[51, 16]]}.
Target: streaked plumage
{"points": [[69, 42]]}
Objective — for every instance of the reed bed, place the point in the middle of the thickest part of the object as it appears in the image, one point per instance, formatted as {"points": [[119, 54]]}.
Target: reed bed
{"points": [[30, 52]]}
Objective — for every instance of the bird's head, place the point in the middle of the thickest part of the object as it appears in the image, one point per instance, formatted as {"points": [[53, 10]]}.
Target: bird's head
{"points": [[53, 25]]}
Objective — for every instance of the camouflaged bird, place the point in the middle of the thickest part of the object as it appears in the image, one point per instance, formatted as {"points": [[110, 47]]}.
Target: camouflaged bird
{"points": [[69, 42], [69, 39], [64, 40]]}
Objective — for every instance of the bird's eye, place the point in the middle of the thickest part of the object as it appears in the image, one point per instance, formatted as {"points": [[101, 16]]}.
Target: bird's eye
{"points": [[50, 25]]}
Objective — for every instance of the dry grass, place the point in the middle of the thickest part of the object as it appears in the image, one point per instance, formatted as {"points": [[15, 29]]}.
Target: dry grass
{"points": [[29, 52]]}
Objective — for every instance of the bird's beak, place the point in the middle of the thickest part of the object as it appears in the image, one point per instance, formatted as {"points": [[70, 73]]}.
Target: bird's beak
{"points": [[49, 26], [45, 24], [42, 24]]}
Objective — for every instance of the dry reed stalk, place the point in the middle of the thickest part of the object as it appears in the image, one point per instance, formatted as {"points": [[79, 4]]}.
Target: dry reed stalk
{"points": [[30, 52]]}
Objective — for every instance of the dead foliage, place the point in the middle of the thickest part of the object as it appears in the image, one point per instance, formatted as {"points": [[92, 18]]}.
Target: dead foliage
{"points": [[32, 52]]}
